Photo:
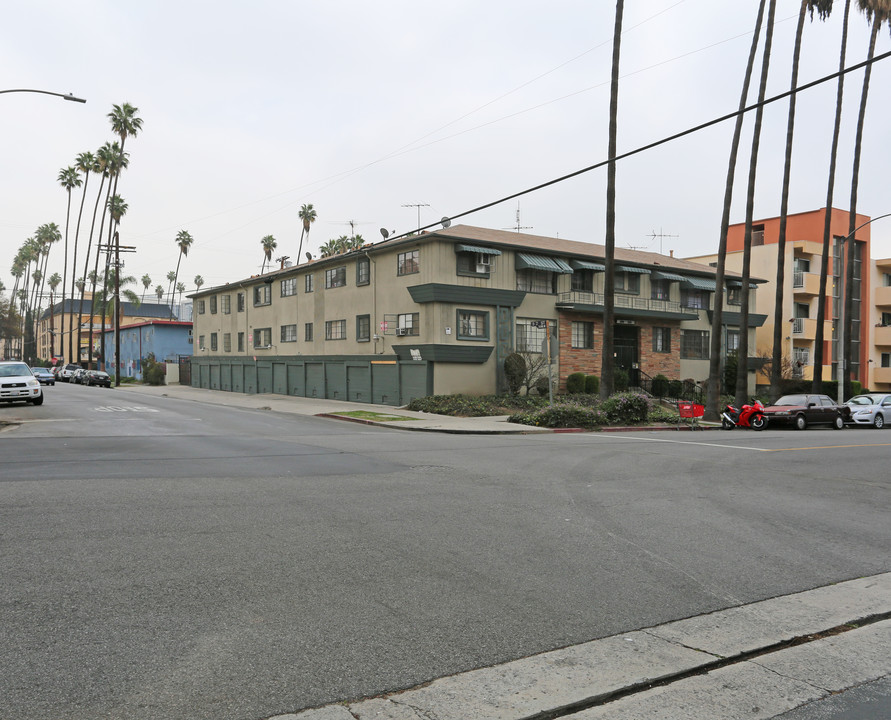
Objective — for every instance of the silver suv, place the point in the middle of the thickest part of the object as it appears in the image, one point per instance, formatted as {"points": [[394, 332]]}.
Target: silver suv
{"points": [[66, 372], [17, 382]]}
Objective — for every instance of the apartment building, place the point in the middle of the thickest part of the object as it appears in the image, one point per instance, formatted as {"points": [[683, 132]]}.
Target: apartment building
{"points": [[438, 313], [879, 373], [801, 293]]}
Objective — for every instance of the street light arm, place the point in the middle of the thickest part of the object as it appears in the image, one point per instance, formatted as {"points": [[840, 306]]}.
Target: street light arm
{"points": [[69, 96]]}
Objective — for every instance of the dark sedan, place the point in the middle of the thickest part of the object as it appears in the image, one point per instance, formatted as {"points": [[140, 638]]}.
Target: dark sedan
{"points": [[96, 377], [799, 411]]}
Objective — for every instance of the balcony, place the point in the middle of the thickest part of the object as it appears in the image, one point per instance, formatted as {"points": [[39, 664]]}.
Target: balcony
{"points": [[882, 375], [625, 306], [805, 283], [882, 335], [806, 329], [883, 296]]}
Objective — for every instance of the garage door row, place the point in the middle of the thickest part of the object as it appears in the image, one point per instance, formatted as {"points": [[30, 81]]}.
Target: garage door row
{"points": [[384, 382]]}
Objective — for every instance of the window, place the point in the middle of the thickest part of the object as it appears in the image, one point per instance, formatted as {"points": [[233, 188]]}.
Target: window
{"points": [[529, 337], [407, 324], [661, 339], [695, 299], [289, 333], [335, 277], [407, 263], [262, 295], [628, 283], [201, 345], [363, 328], [307, 332], [694, 344], [659, 289], [583, 281], [241, 342], [307, 283], [262, 337], [886, 319], [227, 342], [542, 282], [732, 340], [734, 295], [213, 305], [201, 307], [239, 301], [363, 271], [583, 335], [474, 263], [886, 279], [886, 359], [289, 287], [335, 330], [473, 325], [226, 304]]}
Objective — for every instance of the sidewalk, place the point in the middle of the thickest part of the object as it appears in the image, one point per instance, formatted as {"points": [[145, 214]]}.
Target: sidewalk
{"points": [[366, 413], [755, 662]]}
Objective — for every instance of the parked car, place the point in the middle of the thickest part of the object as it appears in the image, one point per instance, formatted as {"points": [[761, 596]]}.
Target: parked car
{"points": [[96, 377], [77, 377], [870, 409], [17, 382], [44, 375], [799, 411], [66, 372]]}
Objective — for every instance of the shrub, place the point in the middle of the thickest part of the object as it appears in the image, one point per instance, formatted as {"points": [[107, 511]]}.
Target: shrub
{"points": [[474, 405], [592, 384], [675, 388], [152, 371], [515, 372], [626, 408], [542, 385], [620, 380], [575, 383], [856, 387], [660, 386], [563, 415]]}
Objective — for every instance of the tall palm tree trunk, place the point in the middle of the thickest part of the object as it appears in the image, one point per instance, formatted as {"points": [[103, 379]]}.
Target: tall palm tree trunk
{"points": [[74, 270], [84, 287], [852, 222], [607, 367], [819, 342], [96, 277], [713, 388], [776, 364]]}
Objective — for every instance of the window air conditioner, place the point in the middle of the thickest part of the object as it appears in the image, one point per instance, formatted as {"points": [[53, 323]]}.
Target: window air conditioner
{"points": [[401, 331], [482, 267]]}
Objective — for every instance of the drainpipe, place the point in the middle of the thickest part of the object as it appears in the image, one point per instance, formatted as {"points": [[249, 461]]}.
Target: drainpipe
{"points": [[373, 278]]}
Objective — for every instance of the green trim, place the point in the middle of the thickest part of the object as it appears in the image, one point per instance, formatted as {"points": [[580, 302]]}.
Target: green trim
{"points": [[446, 353], [477, 249], [441, 292], [542, 262], [627, 312]]}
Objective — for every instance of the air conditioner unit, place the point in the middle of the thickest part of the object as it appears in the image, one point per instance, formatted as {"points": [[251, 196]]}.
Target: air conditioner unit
{"points": [[482, 267], [401, 331]]}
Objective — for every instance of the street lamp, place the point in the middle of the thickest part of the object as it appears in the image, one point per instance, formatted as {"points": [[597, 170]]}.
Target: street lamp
{"points": [[69, 96]]}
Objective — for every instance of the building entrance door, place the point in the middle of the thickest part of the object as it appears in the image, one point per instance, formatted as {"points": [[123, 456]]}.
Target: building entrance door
{"points": [[626, 346]]}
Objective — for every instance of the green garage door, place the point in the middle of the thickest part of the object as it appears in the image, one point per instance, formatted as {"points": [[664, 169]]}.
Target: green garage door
{"points": [[413, 381], [358, 383], [315, 380], [264, 378], [384, 382], [296, 386], [280, 378]]}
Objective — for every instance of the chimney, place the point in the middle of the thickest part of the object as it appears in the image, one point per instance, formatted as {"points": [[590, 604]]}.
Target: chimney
{"points": [[671, 253]]}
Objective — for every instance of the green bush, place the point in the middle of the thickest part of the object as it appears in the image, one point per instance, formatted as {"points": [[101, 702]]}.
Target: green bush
{"points": [[515, 372], [563, 415], [475, 405], [575, 383], [660, 414], [856, 388], [627, 408], [592, 384], [620, 380], [152, 371], [675, 388], [542, 385], [660, 386]]}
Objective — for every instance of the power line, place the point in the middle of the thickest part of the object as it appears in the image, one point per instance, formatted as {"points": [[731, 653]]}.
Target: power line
{"points": [[663, 141]]}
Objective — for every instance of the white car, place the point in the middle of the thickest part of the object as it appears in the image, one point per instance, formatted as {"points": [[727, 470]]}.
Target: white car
{"points": [[871, 409], [17, 382]]}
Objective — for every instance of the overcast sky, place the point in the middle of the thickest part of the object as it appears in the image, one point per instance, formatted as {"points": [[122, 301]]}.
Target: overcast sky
{"points": [[252, 109]]}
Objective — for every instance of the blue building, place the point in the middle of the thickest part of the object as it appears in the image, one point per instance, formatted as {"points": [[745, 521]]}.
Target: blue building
{"points": [[165, 339]]}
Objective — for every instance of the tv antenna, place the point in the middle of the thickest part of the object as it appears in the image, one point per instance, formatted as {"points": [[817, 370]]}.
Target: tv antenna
{"points": [[661, 235], [351, 223], [519, 226], [418, 206]]}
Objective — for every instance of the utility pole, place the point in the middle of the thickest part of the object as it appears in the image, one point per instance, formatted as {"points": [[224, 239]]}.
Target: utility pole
{"points": [[118, 265]]}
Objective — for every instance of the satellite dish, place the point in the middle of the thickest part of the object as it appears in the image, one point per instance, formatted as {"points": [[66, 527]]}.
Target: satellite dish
{"points": [[385, 233], [446, 222], [308, 257]]}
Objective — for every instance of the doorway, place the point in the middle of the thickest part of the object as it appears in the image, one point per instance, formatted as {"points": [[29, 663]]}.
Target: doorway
{"points": [[626, 347]]}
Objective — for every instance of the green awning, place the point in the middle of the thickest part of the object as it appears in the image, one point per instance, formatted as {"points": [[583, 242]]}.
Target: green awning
{"points": [[632, 269], [661, 275], [542, 262], [738, 283], [585, 265], [700, 284], [477, 249]]}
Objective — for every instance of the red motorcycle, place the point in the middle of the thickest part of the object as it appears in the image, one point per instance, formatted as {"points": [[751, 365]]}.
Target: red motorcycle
{"points": [[749, 416]]}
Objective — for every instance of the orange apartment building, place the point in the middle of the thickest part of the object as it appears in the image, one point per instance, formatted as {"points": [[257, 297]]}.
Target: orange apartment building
{"points": [[801, 296]]}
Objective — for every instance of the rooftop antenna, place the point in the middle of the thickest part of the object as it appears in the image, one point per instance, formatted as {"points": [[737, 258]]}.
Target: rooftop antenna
{"points": [[418, 206], [660, 235], [519, 226], [351, 223]]}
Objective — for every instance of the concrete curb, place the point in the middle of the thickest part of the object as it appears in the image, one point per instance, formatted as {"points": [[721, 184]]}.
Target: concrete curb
{"points": [[734, 663]]}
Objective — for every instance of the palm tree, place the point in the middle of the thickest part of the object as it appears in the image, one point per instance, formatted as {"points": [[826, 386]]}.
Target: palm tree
{"points": [[609, 299], [159, 291], [332, 247], [54, 282], [742, 352], [124, 122], [823, 8], [269, 244], [146, 281], [117, 208], [713, 388], [171, 278], [877, 12], [308, 216], [68, 179], [184, 242], [180, 288], [85, 163], [817, 385], [199, 281]]}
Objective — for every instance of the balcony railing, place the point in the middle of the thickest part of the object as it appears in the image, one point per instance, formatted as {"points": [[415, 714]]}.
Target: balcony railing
{"points": [[798, 279], [798, 326], [631, 302]]}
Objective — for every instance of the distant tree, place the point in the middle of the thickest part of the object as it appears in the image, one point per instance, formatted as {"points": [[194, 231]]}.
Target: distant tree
{"points": [[146, 281], [307, 216], [268, 244], [199, 281], [184, 242]]}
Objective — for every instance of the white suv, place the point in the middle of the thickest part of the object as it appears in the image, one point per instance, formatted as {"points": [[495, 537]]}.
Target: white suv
{"points": [[17, 382]]}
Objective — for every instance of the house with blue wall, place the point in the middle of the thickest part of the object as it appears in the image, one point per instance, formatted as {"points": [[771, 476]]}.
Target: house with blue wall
{"points": [[167, 340]]}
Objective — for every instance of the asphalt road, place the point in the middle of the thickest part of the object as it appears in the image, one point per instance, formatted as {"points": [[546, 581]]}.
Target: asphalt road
{"points": [[165, 558]]}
